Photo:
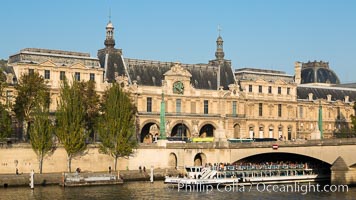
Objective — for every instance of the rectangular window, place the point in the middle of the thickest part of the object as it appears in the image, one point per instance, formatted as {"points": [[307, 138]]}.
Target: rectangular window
{"points": [[260, 109], [234, 103], [260, 88], [288, 91], [31, 71], [77, 76], [47, 74], [92, 77], [206, 107], [62, 75], [279, 110], [249, 88], [301, 114], [279, 90], [149, 104], [338, 113], [178, 105], [269, 89]]}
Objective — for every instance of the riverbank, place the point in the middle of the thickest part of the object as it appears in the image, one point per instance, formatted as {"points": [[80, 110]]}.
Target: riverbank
{"points": [[13, 180]]}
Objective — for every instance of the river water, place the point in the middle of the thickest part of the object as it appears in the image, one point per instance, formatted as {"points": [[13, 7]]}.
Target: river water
{"points": [[158, 190]]}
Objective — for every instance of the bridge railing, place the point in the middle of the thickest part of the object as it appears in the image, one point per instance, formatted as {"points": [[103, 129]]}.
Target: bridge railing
{"points": [[290, 143]]}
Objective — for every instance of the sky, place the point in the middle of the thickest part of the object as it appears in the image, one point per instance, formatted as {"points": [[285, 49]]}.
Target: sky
{"points": [[266, 34]]}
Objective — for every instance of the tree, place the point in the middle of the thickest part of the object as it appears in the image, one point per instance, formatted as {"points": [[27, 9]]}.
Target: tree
{"points": [[70, 116], [353, 121], [31, 89], [41, 134], [3, 83], [116, 126], [91, 105], [5, 123], [5, 118]]}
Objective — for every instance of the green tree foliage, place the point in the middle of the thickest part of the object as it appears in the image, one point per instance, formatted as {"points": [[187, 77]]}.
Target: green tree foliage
{"points": [[116, 126], [41, 136], [70, 115], [353, 121], [2, 81], [5, 123], [31, 90], [91, 105]]}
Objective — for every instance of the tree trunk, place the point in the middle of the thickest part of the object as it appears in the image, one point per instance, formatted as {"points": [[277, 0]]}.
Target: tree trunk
{"points": [[40, 163], [24, 130], [69, 162], [115, 162]]}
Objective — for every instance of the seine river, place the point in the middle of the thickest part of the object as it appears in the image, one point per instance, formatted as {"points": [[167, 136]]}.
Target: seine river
{"points": [[157, 190]]}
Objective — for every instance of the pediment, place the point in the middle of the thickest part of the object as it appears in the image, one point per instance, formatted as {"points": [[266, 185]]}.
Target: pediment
{"points": [[261, 81], [48, 63], [178, 70], [78, 66], [280, 82]]}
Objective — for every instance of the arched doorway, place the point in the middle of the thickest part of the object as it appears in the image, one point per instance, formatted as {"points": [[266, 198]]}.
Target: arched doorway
{"points": [[180, 131], [207, 131], [237, 131], [148, 131], [172, 161], [200, 159]]}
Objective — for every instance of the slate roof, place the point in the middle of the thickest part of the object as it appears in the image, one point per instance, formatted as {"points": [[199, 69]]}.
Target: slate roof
{"points": [[204, 76], [337, 93]]}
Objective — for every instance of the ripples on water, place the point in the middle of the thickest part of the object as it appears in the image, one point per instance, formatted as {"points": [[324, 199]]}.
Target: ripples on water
{"points": [[157, 190]]}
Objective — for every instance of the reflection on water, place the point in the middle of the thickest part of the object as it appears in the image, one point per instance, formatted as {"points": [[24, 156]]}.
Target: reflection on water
{"points": [[157, 190]]}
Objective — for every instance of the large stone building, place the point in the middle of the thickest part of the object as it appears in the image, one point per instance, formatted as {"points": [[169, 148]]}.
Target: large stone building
{"points": [[205, 100]]}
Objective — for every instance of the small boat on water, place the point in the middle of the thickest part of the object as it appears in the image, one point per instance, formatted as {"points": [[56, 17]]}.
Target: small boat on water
{"points": [[247, 175], [87, 179]]}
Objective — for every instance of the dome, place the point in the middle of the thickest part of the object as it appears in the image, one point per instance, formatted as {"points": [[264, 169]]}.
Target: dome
{"points": [[318, 72], [109, 25]]}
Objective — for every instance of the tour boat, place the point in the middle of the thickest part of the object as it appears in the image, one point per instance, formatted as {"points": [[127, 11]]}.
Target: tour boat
{"points": [[198, 175], [247, 175]]}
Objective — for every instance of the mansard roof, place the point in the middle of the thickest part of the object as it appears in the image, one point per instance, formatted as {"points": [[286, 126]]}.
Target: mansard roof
{"points": [[321, 92], [59, 57], [204, 76], [253, 74]]}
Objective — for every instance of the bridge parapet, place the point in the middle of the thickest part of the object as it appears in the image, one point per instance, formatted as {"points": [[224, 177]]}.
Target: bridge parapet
{"points": [[297, 143]]}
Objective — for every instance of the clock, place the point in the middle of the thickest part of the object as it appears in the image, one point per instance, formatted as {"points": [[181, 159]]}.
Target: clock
{"points": [[178, 87]]}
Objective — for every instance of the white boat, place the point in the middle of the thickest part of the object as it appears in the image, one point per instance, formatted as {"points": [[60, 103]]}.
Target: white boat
{"points": [[281, 176], [198, 175]]}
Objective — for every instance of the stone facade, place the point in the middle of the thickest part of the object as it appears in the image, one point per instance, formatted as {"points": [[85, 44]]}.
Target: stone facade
{"points": [[202, 100]]}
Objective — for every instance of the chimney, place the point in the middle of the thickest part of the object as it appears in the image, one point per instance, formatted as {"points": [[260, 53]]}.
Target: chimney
{"points": [[328, 97], [347, 99], [297, 71], [310, 96]]}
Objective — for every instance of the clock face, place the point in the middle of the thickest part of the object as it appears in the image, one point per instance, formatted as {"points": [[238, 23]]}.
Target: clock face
{"points": [[178, 87]]}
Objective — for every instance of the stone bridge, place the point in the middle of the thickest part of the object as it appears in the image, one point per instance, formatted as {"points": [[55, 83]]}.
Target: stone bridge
{"points": [[339, 154]]}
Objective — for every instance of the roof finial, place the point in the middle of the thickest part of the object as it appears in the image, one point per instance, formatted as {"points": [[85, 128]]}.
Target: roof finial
{"points": [[219, 29], [109, 14]]}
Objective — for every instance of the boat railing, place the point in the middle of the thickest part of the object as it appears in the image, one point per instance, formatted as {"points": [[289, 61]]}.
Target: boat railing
{"points": [[79, 177]]}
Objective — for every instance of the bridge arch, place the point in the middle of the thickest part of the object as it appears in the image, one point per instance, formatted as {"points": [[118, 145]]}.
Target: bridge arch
{"points": [[290, 159]]}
